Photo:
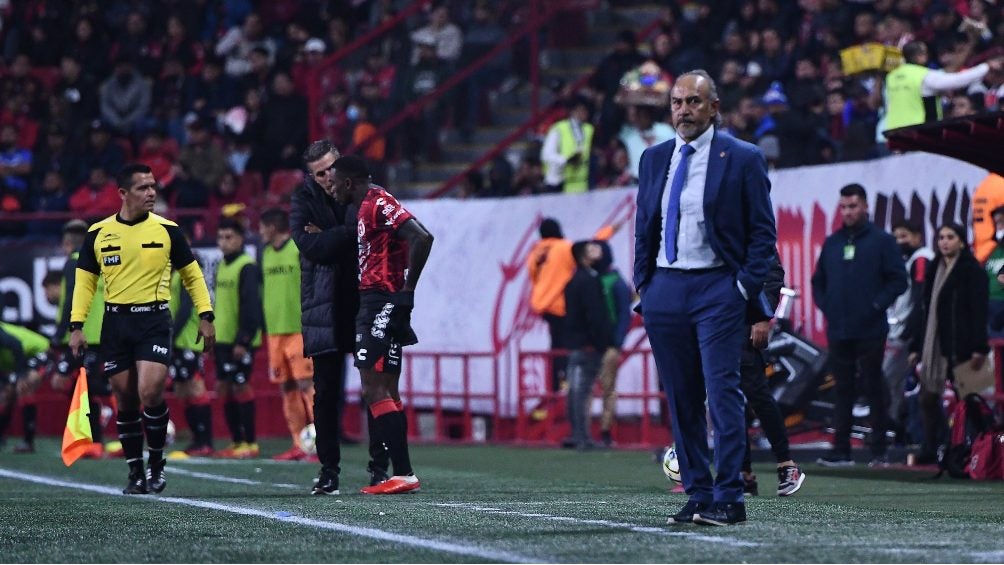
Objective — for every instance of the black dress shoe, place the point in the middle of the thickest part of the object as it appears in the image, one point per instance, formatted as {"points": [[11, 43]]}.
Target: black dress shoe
{"points": [[722, 514], [686, 514]]}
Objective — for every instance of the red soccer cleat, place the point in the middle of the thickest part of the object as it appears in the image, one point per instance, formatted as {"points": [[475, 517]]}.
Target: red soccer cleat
{"points": [[292, 454], [199, 451], [395, 485]]}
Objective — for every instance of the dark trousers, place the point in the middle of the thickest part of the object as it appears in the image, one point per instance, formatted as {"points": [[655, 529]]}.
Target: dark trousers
{"points": [[329, 397], [759, 399], [695, 323], [559, 363], [856, 361]]}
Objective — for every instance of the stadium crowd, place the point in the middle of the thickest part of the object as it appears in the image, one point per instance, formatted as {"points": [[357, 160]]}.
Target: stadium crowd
{"points": [[212, 95]]}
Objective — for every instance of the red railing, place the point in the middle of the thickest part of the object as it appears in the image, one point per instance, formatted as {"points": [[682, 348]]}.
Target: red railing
{"points": [[536, 21], [532, 123]]}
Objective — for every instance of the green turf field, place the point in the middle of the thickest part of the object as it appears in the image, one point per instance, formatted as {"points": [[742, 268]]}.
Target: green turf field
{"points": [[479, 504]]}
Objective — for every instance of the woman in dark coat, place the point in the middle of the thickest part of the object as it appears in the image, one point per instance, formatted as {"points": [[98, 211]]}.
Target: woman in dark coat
{"points": [[951, 328]]}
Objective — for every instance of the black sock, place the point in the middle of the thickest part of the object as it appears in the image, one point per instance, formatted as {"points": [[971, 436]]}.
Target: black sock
{"points": [[155, 419], [4, 422], [204, 424], [392, 429], [379, 455], [29, 418], [191, 418], [232, 414], [247, 420], [131, 435], [97, 434]]}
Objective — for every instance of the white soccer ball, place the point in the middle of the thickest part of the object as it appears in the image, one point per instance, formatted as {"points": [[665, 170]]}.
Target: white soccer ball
{"points": [[308, 439], [171, 432], [671, 465]]}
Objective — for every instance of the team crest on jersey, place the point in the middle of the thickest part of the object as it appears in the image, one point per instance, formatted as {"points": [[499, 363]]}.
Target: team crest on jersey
{"points": [[360, 228]]}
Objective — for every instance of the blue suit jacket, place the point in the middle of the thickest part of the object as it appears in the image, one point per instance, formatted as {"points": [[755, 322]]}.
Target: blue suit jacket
{"points": [[737, 210]]}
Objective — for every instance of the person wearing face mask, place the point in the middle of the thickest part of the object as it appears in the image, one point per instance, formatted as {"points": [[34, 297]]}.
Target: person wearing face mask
{"points": [[909, 237], [994, 267], [951, 329]]}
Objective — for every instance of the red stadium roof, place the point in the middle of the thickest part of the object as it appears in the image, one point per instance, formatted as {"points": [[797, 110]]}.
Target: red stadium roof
{"points": [[977, 139]]}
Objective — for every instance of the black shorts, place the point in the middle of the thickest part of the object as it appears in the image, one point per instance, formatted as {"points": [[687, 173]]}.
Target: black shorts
{"points": [[132, 333], [237, 371], [69, 365], [378, 337], [185, 365]]}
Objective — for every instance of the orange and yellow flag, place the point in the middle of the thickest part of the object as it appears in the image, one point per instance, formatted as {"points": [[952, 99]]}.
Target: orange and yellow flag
{"points": [[77, 438]]}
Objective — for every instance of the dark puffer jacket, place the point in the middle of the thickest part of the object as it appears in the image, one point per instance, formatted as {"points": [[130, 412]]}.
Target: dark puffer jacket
{"points": [[329, 278]]}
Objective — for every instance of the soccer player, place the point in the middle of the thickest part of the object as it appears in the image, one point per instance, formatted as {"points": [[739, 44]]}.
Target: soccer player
{"points": [[22, 353], [238, 321], [134, 252], [65, 376], [287, 367], [187, 371], [393, 249]]}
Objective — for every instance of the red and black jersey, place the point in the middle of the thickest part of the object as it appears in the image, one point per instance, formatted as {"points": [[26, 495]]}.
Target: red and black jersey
{"points": [[383, 257]]}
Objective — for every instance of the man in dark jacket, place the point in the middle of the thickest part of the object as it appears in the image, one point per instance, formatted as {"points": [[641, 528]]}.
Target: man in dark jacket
{"points": [[589, 335], [325, 233], [859, 274]]}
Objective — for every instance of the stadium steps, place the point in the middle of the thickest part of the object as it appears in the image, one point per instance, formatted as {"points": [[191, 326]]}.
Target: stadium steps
{"points": [[511, 109]]}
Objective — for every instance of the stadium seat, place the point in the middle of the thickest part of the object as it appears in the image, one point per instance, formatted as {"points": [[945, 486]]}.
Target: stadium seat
{"points": [[281, 185]]}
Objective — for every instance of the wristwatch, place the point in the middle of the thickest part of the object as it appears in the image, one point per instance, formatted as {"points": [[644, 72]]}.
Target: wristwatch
{"points": [[74, 326], [207, 316]]}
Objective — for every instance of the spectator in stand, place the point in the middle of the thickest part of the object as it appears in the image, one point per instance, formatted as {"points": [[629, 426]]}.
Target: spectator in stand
{"points": [[78, 93], [15, 169], [952, 330], [160, 156], [421, 130], [125, 98], [616, 171], [730, 85], [483, 35], [606, 82], [260, 72], [662, 52], [567, 150], [376, 84], [444, 35], [169, 97], [136, 42], [89, 48], [201, 156], [236, 45], [993, 265], [335, 124], [774, 57], [363, 129], [293, 48], [20, 82], [54, 153], [283, 131], [911, 88], [100, 150], [213, 92], [641, 131], [529, 178], [991, 89], [963, 105], [178, 45], [52, 197], [97, 198]]}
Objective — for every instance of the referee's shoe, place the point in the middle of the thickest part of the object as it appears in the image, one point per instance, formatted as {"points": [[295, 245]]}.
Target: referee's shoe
{"points": [[155, 479], [137, 483]]}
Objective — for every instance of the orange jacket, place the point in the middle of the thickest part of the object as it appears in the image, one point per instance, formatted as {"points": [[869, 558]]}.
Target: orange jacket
{"points": [[988, 196], [551, 265]]}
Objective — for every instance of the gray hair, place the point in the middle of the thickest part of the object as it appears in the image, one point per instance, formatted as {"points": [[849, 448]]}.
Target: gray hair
{"points": [[317, 150], [712, 89]]}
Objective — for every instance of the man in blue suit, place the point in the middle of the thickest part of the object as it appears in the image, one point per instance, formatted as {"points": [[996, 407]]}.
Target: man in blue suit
{"points": [[704, 239]]}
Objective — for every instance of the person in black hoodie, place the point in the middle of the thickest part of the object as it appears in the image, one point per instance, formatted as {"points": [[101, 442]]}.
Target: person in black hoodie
{"points": [[589, 336], [950, 328], [859, 274], [753, 381], [325, 233]]}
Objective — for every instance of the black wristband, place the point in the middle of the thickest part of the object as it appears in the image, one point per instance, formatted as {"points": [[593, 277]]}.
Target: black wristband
{"points": [[74, 326], [207, 316]]}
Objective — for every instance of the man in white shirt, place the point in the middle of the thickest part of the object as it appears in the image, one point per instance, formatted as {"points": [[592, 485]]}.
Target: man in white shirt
{"points": [[641, 132]]}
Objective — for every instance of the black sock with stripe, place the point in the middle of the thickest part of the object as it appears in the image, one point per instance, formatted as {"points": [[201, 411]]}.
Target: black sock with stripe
{"points": [[97, 434], [155, 419], [131, 435]]}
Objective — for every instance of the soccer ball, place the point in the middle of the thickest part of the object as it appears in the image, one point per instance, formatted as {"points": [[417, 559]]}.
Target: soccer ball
{"points": [[170, 433], [308, 439], [671, 465]]}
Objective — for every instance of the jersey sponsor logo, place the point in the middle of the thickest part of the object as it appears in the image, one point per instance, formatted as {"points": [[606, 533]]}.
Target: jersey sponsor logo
{"points": [[361, 354], [152, 245], [360, 228], [160, 349], [110, 260], [381, 320]]}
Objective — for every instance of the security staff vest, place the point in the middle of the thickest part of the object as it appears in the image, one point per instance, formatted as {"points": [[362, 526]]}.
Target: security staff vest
{"points": [[904, 102], [280, 270], [186, 338], [576, 176], [228, 300]]}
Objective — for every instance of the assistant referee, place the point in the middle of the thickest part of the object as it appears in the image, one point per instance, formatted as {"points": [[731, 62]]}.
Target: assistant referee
{"points": [[134, 251]]}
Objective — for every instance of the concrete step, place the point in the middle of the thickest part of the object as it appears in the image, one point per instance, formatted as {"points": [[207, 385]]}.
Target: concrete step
{"points": [[416, 190]]}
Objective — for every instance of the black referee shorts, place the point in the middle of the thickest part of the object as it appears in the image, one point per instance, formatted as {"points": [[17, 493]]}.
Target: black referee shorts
{"points": [[135, 332]]}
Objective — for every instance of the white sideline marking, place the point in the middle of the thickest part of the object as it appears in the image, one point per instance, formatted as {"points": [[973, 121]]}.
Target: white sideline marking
{"points": [[372, 533], [604, 523], [174, 469]]}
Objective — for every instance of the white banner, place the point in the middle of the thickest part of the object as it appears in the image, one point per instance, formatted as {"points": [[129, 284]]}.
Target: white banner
{"points": [[474, 292]]}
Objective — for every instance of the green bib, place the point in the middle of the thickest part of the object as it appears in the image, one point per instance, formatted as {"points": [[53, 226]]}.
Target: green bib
{"points": [[993, 265], [576, 176], [190, 331], [903, 100], [228, 300], [281, 280], [32, 344]]}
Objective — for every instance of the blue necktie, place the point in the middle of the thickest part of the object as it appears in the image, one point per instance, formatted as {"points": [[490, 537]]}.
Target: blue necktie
{"points": [[672, 222]]}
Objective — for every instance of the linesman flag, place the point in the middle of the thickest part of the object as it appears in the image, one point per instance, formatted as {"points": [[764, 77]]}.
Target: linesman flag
{"points": [[77, 437]]}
